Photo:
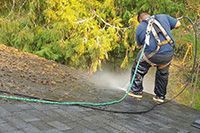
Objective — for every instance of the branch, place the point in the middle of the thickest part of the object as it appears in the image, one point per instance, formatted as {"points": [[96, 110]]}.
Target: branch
{"points": [[13, 7], [108, 24], [22, 5], [84, 20]]}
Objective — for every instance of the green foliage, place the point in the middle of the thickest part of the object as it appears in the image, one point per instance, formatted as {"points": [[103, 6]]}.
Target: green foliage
{"points": [[160, 6], [197, 101], [80, 33], [15, 33], [87, 36]]}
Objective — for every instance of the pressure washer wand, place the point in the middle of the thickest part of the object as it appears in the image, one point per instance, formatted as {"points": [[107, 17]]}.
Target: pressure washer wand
{"points": [[180, 18]]}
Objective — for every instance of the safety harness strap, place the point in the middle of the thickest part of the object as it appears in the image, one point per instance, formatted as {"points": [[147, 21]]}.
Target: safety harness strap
{"points": [[148, 31], [154, 52], [151, 28], [152, 24], [160, 66], [148, 61], [167, 37]]}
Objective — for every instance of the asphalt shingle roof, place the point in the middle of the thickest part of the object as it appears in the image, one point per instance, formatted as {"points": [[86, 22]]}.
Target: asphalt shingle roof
{"points": [[21, 117]]}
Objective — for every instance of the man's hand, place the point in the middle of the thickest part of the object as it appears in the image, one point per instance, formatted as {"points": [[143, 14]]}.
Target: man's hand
{"points": [[139, 46], [178, 24]]}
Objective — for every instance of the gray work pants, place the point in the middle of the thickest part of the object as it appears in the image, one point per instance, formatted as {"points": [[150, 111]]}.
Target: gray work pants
{"points": [[161, 79]]}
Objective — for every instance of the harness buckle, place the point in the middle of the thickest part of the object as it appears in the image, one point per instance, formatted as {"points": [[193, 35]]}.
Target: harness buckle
{"points": [[163, 42]]}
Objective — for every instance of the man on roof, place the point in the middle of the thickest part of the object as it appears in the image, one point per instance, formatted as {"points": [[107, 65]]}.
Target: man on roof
{"points": [[155, 31]]}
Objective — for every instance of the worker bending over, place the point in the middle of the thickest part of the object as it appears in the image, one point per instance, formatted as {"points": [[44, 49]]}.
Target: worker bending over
{"points": [[155, 32]]}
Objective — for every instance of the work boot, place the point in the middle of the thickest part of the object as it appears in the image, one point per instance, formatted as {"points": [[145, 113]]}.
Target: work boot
{"points": [[135, 94], [159, 99]]}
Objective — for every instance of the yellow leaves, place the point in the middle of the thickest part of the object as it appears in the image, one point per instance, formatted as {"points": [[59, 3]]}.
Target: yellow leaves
{"points": [[111, 30], [75, 58], [88, 37], [133, 22], [94, 66], [60, 10], [125, 62], [117, 22], [62, 44], [80, 49], [129, 53], [91, 44], [50, 15], [108, 3], [51, 3], [68, 14], [125, 40]]}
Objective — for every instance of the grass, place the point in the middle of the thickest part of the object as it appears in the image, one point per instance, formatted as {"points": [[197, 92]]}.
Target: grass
{"points": [[179, 74]]}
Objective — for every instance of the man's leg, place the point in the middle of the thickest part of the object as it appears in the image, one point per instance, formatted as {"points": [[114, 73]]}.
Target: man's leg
{"points": [[161, 81], [141, 71], [162, 73]]}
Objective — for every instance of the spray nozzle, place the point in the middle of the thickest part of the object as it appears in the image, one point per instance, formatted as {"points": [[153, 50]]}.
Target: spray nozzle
{"points": [[180, 18]]}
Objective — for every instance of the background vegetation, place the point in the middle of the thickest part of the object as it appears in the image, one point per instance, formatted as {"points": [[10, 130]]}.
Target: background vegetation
{"points": [[85, 33]]}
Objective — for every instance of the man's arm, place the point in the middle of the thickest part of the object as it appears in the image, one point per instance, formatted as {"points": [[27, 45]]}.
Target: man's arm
{"points": [[174, 23], [140, 36]]}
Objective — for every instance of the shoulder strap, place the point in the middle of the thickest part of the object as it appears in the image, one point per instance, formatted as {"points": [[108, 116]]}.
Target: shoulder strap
{"points": [[149, 29], [151, 21], [168, 38]]}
